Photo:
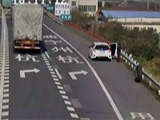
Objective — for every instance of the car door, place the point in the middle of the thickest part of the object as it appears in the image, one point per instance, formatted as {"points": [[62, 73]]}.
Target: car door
{"points": [[114, 47], [91, 49]]}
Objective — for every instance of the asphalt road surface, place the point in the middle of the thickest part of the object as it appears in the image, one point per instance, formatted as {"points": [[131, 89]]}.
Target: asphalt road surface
{"points": [[60, 83]]}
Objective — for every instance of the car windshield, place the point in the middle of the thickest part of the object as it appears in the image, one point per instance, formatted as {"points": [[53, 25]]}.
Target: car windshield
{"points": [[102, 47]]}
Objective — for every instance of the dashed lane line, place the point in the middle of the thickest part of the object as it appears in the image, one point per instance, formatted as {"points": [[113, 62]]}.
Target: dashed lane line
{"points": [[56, 76], [4, 86]]}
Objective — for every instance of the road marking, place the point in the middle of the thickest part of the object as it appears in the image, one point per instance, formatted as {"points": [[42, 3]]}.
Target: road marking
{"points": [[73, 74], [143, 116], [47, 55], [5, 106], [67, 102], [71, 109], [95, 74], [6, 95], [74, 115], [65, 97], [57, 83], [60, 87], [56, 76], [57, 72], [4, 50], [22, 72], [55, 79], [62, 92]]}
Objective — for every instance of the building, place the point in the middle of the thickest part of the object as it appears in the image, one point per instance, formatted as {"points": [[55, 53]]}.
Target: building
{"points": [[62, 7], [132, 19], [88, 6]]}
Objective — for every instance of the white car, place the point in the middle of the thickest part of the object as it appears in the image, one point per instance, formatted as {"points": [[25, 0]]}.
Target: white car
{"points": [[100, 50]]}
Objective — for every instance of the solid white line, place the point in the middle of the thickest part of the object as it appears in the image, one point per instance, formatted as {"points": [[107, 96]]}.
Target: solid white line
{"points": [[73, 115], [47, 55], [95, 73], [58, 74]]}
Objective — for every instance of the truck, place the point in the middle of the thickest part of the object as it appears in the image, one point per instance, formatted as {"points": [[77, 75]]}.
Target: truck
{"points": [[6, 3], [27, 22]]}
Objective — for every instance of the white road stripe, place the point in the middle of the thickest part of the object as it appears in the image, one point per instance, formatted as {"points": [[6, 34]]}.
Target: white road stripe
{"points": [[6, 95], [56, 79], [49, 67], [65, 97], [95, 74], [60, 87], [6, 90], [5, 106], [6, 113], [73, 115], [57, 83], [47, 54], [7, 85], [67, 102], [62, 91], [52, 72], [71, 109], [6, 81], [54, 76], [5, 101], [57, 72]]}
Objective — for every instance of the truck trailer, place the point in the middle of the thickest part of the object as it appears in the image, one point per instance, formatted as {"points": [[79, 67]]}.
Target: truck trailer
{"points": [[27, 26]]}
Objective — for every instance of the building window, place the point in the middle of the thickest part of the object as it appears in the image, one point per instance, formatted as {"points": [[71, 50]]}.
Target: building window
{"points": [[64, 12], [73, 3], [59, 11]]}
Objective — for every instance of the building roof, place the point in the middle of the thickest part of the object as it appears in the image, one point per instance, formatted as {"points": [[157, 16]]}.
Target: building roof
{"points": [[130, 14]]}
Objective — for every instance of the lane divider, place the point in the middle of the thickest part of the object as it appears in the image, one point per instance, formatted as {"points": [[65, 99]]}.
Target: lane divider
{"points": [[4, 57], [60, 88]]}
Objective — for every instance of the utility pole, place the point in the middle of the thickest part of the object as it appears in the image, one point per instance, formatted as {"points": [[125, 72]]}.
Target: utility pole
{"points": [[148, 4]]}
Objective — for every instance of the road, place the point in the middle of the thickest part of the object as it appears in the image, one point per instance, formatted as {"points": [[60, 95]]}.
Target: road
{"points": [[62, 84]]}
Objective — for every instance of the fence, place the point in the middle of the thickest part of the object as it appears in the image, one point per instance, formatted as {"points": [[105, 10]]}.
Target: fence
{"points": [[127, 58]]}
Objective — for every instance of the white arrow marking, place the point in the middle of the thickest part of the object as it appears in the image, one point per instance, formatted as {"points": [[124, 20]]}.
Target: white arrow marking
{"points": [[22, 72], [73, 74]]}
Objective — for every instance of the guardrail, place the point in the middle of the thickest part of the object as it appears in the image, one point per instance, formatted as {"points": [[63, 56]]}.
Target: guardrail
{"points": [[127, 58], [53, 17], [146, 77]]}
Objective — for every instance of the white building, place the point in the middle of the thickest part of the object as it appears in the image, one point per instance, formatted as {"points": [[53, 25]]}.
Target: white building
{"points": [[62, 8], [133, 19], [88, 6]]}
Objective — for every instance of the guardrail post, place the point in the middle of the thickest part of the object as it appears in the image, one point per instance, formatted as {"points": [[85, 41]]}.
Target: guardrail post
{"points": [[150, 82], [158, 92], [139, 73], [142, 74], [119, 53]]}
